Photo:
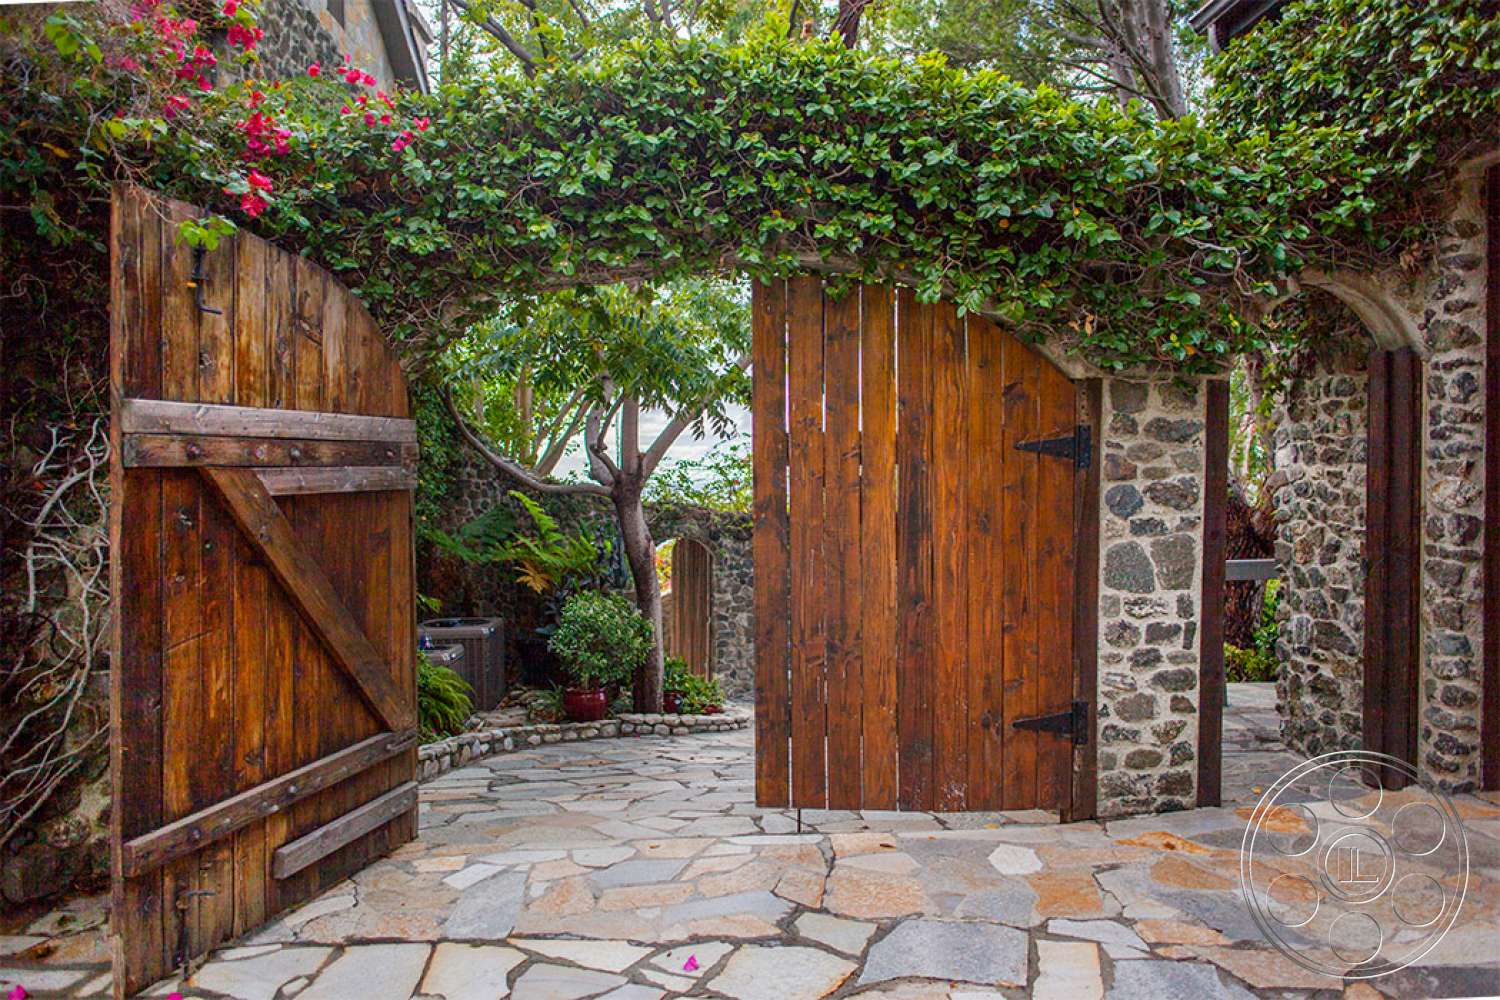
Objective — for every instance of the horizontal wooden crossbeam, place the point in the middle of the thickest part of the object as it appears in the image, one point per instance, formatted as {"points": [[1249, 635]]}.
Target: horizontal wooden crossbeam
{"points": [[268, 531], [345, 479], [164, 416], [297, 855], [197, 451], [196, 831]]}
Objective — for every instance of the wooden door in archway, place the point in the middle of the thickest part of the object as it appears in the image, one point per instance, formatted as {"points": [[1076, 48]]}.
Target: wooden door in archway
{"points": [[262, 684], [690, 635], [914, 543]]}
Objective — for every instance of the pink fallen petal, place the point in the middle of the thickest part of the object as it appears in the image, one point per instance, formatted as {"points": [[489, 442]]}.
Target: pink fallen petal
{"points": [[691, 965], [18, 992]]}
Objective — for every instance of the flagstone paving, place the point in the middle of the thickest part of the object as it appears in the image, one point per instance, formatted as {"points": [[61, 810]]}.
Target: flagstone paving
{"points": [[640, 869]]}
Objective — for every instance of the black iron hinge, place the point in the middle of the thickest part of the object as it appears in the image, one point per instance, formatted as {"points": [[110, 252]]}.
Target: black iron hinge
{"points": [[1077, 446], [1074, 723]]}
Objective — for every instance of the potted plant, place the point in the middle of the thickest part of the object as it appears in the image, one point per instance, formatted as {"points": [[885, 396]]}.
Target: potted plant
{"points": [[674, 683], [600, 639]]}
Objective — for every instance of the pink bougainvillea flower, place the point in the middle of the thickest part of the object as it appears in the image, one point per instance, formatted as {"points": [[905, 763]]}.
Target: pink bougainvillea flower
{"points": [[367, 79], [385, 119], [370, 118], [351, 75], [230, 6], [691, 965], [175, 103], [259, 181], [346, 110], [18, 992], [314, 69], [252, 204], [403, 140], [421, 123]]}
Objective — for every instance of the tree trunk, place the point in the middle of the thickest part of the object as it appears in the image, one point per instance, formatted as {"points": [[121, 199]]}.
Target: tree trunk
{"points": [[640, 555]]}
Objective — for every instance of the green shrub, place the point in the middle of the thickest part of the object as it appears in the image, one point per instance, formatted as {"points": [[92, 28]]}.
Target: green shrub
{"points": [[1248, 665], [701, 693], [674, 675], [601, 638], [444, 700]]}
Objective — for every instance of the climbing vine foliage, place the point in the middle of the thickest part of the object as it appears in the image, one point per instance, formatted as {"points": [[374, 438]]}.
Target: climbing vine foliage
{"points": [[1129, 240]]}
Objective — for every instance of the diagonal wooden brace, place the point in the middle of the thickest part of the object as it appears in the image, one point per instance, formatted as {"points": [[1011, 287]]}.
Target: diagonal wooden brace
{"points": [[269, 532]]}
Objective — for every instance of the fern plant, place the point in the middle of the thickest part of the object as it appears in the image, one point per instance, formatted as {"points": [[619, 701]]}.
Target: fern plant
{"points": [[542, 560], [444, 700]]}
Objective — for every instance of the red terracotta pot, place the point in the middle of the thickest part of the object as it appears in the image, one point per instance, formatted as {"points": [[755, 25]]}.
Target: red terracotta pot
{"points": [[671, 701], [585, 704]]}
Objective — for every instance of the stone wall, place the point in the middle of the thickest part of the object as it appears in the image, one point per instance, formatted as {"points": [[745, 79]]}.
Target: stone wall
{"points": [[1319, 499], [1451, 322], [296, 38], [302, 32], [1151, 537], [1439, 308]]}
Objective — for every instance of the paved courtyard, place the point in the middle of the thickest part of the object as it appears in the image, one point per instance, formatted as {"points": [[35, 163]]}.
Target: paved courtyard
{"points": [[639, 869]]}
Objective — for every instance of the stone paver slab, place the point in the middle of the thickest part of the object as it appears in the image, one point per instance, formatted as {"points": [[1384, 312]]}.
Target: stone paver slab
{"points": [[988, 954], [489, 913], [1158, 980], [787, 973], [470, 971], [258, 977], [1067, 970], [561, 982], [847, 936], [607, 956], [370, 970]]}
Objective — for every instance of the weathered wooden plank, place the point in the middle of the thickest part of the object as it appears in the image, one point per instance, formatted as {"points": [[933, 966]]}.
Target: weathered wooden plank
{"points": [[304, 851], [1022, 406], [984, 444], [336, 479], [195, 451], [842, 576], [252, 336], [1211, 612], [1053, 581], [878, 630], [160, 416], [212, 767], [771, 546], [914, 539], [135, 523], [950, 565], [300, 574], [281, 333], [808, 682], [1083, 803], [1377, 554], [1403, 580], [307, 339]]}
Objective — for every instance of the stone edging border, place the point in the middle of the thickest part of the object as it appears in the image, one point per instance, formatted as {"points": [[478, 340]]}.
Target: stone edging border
{"points": [[444, 755]]}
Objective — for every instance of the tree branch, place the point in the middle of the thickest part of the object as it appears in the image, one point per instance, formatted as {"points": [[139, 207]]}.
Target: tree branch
{"points": [[497, 30], [514, 469], [670, 433]]}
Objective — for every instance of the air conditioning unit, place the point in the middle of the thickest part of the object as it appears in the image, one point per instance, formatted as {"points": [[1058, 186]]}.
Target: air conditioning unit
{"points": [[483, 666]]}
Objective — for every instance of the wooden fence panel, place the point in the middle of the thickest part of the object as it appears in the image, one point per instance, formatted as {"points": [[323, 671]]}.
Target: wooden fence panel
{"points": [[255, 638]]}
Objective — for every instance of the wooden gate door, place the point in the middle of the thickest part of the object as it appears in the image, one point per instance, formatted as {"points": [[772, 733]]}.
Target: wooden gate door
{"points": [[263, 688], [914, 557], [691, 633]]}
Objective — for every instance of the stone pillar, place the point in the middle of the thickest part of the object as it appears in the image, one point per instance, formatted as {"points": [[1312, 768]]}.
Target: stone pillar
{"points": [[1151, 540], [1452, 325]]}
